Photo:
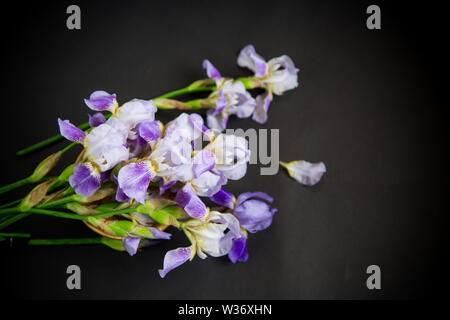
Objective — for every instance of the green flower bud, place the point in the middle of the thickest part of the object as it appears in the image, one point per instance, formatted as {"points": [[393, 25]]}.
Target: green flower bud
{"points": [[35, 196], [45, 166]]}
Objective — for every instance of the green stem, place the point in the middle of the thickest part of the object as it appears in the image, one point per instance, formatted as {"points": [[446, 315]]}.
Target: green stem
{"points": [[15, 235], [85, 125], [6, 205], [15, 185], [67, 215], [49, 242], [13, 219], [57, 202]]}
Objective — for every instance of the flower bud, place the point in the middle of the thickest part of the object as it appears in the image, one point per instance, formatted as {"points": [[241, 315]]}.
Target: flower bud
{"points": [[35, 196], [45, 166]]}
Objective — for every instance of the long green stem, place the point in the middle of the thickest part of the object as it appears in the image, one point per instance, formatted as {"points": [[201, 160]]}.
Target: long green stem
{"points": [[85, 125], [49, 242], [6, 205], [15, 185], [13, 219], [14, 235], [67, 215]]}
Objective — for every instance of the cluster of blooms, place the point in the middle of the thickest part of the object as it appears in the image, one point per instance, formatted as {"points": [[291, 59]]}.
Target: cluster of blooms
{"points": [[231, 98], [161, 174], [132, 149]]}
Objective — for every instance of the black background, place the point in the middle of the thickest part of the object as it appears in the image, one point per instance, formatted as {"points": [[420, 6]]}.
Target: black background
{"points": [[368, 105]]}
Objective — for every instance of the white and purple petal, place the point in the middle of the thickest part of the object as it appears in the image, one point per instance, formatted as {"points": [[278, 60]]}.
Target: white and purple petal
{"points": [[158, 234], [211, 71], [85, 179], [216, 122], [150, 131], [305, 172], [238, 252], [248, 58], [282, 74], [253, 214], [96, 119], [70, 132], [262, 107], [203, 161], [192, 204], [136, 111], [134, 179], [224, 198], [209, 183], [101, 101], [221, 103], [131, 244], [175, 258]]}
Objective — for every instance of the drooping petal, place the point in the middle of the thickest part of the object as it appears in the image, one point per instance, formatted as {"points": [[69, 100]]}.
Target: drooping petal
{"points": [[305, 172], [164, 186], [216, 122], [131, 244], [70, 132], [221, 103], [134, 179], [96, 119], [203, 161], [150, 131], [175, 258], [238, 250], [136, 111], [248, 58], [158, 234], [121, 196], [192, 204], [224, 198], [101, 101], [262, 107], [211, 71], [85, 179]]}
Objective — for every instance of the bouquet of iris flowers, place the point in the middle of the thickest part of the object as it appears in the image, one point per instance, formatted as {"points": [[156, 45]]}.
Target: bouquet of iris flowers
{"points": [[137, 178]]}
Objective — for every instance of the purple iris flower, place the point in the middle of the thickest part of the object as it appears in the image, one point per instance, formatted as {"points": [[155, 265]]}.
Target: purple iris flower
{"points": [[214, 237], [252, 209], [102, 101], [277, 76]]}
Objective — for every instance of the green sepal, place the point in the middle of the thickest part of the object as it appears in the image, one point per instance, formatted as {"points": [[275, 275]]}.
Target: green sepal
{"points": [[113, 243]]}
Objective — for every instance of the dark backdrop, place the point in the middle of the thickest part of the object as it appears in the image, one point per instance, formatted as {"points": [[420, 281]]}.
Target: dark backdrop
{"points": [[368, 106]]}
